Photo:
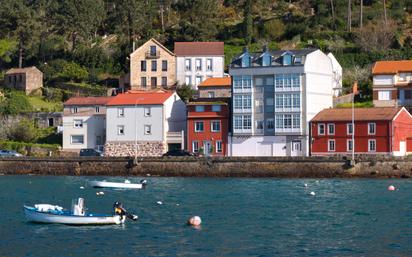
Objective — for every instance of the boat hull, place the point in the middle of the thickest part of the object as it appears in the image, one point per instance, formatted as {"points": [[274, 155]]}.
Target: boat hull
{"points": [[33, 215], [105, 184]]}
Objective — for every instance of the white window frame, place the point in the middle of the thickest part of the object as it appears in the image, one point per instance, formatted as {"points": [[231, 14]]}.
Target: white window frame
{"points": [[77, 123], [188, 64], [384, 95], [369, 145], [219, 146], [71, 139], [374, 128], [209, 64], [324, 128], [147, 129], [188, 80], [195, 146], [198, 64], [119, 129], [120, 112], [334, 145], [213, 122], [196, 127], [349, 143], [348, 125], [331, 125], [147, 111], [198, 80]]}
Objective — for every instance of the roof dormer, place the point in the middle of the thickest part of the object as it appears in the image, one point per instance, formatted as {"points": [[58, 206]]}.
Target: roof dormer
{"points": [[287, 58], [266, 57], [245, 57]]}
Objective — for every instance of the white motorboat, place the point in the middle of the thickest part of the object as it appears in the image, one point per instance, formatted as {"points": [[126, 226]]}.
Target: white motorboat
{"points": [[124, 185], [46, 213]]}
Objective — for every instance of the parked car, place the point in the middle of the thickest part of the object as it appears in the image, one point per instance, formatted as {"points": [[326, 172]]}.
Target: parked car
{"points": [[90, 152], [9, 153], [179, 152]]}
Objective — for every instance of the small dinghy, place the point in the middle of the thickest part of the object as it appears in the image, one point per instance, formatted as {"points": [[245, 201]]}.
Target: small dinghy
{"points": [[47, 213], [125, 185]]}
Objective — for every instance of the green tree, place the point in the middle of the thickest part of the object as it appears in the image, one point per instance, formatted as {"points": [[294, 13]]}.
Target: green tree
{"points": [[73, 72], [15, 103], [24, 131], [185, 92], [7, 49], [247, 22]]}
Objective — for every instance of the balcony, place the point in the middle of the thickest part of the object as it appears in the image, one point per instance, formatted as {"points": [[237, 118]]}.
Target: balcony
{"points": [[152, 55]]}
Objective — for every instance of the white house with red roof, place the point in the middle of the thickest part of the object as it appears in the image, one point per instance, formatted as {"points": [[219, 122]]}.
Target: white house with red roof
{"points": [[197, 61], [84, 123], [145, 123]]}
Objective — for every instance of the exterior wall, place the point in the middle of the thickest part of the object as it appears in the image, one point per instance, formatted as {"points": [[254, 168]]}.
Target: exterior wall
{"points": [[142, 54], [28, 81], [257, 146], [141, 149], [218, 63], [175, 114], [401, 126], [218, 91], [383, 80], [337, 75]]}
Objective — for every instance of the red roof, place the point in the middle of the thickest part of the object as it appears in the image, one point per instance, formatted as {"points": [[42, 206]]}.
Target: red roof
{"points": [[391, 67], [140, 97], [89, 100], [361, 114], [199, 48], [216, 82]]}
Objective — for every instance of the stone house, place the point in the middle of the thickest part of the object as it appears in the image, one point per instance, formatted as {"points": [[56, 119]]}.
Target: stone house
{"points": [[24, 79], [215, 87]]}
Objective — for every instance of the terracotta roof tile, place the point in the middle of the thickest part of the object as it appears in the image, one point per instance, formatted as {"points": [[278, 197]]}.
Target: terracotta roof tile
{"points": [[216, 82], [89, 100], [140, 97], [199, 48], [361, 114], [391, 67]]}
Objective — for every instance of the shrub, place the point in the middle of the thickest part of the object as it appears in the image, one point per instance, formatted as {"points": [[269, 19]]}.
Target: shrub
{"points": [[73, 72], [24, 131], [15, 102], [273, 29]]}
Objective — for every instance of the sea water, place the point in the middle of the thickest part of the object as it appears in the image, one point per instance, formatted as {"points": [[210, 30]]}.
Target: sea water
{"points": [[240, 217]]}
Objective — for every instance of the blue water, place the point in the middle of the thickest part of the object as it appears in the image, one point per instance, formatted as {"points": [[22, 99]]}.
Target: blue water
{"points": [[241, 217]]}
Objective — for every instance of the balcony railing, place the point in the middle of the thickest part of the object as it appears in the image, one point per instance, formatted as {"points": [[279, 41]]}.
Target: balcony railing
{"points": [[152, 55]]}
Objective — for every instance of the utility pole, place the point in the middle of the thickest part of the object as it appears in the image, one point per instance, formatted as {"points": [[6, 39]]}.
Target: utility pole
{"points": [[349, 16], [361, 13], [332, 8]]}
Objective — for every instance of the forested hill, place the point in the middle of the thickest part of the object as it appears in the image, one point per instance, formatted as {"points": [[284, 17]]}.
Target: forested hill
{"points": [[96, 36]]}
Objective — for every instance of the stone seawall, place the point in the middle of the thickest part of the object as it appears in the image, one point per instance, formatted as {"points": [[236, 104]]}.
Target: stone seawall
{"points": [[213, 167]]}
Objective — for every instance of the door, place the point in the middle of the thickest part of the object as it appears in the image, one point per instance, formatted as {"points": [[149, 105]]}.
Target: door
{"points": [[296, 148], [207, 148]]}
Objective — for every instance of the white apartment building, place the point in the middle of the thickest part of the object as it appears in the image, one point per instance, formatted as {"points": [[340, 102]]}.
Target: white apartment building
{"points": [[145, 123], [197, 61], [84, 123], [274, 96]]}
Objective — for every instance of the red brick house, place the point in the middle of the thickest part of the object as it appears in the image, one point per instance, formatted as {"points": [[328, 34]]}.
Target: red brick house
{"points": [[208, 127], [379, 130]]}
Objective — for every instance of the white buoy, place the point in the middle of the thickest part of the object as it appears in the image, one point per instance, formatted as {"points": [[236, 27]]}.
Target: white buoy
{"points": [[391, 188], [177, 204], [97, 193], [306, 185], [194, 221], [159, 202], [81, 187], [102, 193], [312, 193]]}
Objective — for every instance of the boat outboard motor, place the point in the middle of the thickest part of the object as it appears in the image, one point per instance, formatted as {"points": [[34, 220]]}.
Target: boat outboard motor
{"points": [[78, 207], [119, 210], [143, 182]]}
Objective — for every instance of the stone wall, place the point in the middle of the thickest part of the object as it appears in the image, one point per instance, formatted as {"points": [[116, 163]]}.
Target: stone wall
{"points": [[125, 149]]}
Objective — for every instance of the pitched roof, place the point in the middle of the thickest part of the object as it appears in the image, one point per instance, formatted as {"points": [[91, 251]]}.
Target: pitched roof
{"points": [[199, 48], [361, 114], [154, 41], [140, 97], [391, 67], [22, 70], [216, 82], [89, 100]]}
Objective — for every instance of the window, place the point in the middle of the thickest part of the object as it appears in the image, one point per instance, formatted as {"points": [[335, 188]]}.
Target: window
{"points": [[188, 65], [153, 50], [242, 82], [153, 82], [164, 81], [297, 60], [242, 122], [154, 65], [77, 139], [287, 81], [211, 94], [200, 108], [120, 130], [371, 128], [147, 111], [349, 145], [209, 64], [142, 65], [331, 145], [120, 112], [384, 95], [402, 77], [20, 78], [195, 146], [216, 108], [242, 102], [199, 126], [143, 81], [331, 129], [246, 60], [349, 128], [73, 110], [371, 145], [164, 65], [321, 129], [296, 121], [198, 80], [218, 146], [269, 101], [287, 121], [198, 64], [408, 94], [270, 124], [78, 123], [215, 126], [188, 80], [97, 109], [266, 60], [147, 129], [259, 124]]}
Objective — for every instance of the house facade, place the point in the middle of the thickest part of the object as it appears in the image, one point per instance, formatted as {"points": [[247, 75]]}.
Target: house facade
{"points": [[143, 123], [208, 127], [215, 88], [392, 83], [274, 96], [337, 75], [152, 66], [197, 61], [25, 79], [84, 123], [379, 130]]}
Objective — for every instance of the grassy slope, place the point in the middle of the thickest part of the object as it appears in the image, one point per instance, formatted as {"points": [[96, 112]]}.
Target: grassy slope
{"points": [[39, 104]]}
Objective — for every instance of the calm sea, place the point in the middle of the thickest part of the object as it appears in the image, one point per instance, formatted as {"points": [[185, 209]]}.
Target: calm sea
{"points": [[241, 217]]}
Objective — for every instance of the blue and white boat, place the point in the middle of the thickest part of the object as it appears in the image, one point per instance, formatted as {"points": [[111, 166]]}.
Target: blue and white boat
{"points": [[119, 185], [46, 213]]}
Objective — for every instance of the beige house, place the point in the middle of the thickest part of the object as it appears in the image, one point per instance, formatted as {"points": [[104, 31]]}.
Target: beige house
{"points": [[25, 79], [152, 66], [215, 88]]}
